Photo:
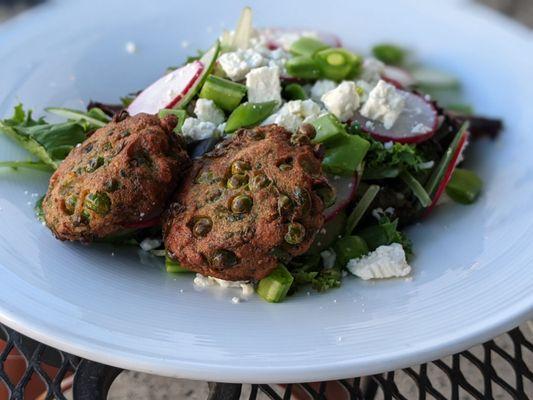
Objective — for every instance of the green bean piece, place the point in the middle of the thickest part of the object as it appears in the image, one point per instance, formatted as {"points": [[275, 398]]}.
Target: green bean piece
{"points": [[337, 64], [181, 115], [307, 46], [361, 208], [295, 233], [389, 53], [174, 267], [294, 91], [303, 67], [345, 157], [328, 129], [465, 186], [226, 94], [349, 247], [274, 287], [249, 114]]}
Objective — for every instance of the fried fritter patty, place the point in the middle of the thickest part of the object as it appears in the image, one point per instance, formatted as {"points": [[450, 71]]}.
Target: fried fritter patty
{"points": [[120, 178], [250, 203]]}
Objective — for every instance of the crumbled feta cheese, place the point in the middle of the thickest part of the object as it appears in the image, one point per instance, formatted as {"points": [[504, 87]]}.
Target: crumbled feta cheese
{"points": [[207, 281], [235, 300], [426, 165], [372, 70], [342, 101], [207, 111], [294, 113], [150, 244], [328, 258], [238, 63], [385, 103], [195, 129], [388, 145], [384, 262], [130, 47], [420, 128], [263, 85], [321, 87], [363, 89]]}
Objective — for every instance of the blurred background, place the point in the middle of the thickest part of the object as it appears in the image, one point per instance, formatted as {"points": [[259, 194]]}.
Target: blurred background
{"points": [[134, 385]]}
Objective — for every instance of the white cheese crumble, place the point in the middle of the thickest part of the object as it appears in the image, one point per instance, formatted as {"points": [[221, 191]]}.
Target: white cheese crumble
{"points": [[237, 64], [321, 87], [420, 128], [363, 89], [207, 281], [342, 101], [195, 129], [130, 47], [385, 104], [263, 85], [294, 113], [207, 111], [150, 244], [384, 262], [328, 258]]}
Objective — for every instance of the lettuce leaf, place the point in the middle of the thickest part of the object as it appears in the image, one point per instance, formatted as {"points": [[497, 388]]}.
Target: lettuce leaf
{"points": [[50, 143]]}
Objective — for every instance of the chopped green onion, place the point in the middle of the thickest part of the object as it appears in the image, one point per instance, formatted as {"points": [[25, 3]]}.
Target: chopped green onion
{"points": [[307, 46], [417, 189], [37, 165], [381, 173], [181, 115], [460, 108], [440, 170], [349, 247], [361, 208], [337, 64], [465, 186], [294, 91], [302, 67], [389, 53], [226, 94], [345, 157], [174, 266], [274, 287], [328, 129], [249, 114], [76, 115]]}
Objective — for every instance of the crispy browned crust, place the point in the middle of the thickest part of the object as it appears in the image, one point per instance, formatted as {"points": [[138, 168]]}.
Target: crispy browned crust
{"points": [[256, 238], [136, 163]]}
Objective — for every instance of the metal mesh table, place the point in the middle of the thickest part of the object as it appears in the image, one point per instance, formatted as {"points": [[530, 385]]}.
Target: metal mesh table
{"points": [[440, 379]]}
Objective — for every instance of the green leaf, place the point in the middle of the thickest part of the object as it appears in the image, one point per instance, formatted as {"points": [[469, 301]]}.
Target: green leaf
{"points": [[385, 233]]}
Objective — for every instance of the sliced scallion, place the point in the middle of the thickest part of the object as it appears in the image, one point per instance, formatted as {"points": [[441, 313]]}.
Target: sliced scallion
{"points": [[361, 208]]}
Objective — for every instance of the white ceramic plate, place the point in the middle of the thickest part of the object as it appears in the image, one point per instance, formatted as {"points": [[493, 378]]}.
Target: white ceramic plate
{"points": [[472, 272]]}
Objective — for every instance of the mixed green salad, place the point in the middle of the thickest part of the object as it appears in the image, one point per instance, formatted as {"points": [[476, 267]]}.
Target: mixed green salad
{"points": [[394, 135]]}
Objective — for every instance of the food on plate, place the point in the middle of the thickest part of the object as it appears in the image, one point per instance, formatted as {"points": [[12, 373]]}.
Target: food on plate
{"points": [[119, 178], [283, 161], [249, 204]]}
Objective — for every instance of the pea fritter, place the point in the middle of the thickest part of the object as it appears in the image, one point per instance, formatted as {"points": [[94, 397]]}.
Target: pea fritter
{"points": [[254, 201], [119, 179]]}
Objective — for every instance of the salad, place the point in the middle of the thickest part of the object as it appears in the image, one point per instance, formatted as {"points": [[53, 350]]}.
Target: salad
{"points": [[275, 161]]}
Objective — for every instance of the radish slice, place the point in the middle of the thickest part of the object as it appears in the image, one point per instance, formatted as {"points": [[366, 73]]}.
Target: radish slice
{"points": [[395, 76], [417, 122], [345, 189], [177, 88], [455, 159], [283, 38], [168, 90]]}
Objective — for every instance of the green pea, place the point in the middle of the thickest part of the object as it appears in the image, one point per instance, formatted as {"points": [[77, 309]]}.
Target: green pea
{"points": [[70, 204], [241, 204], [98, 202], [259, 182], [236, 181], [326, 193], [240, 167], [223, 259], [285, 167], [303, 198], [284, 205], [295, 233], [202, 227], [94, 164], [111, 185]]}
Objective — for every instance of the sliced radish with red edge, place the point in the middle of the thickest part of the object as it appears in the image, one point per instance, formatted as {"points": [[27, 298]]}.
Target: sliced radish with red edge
{"points": [[177, 88], [417, 122], [398, 77], [274, 36], [345, 190]]}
